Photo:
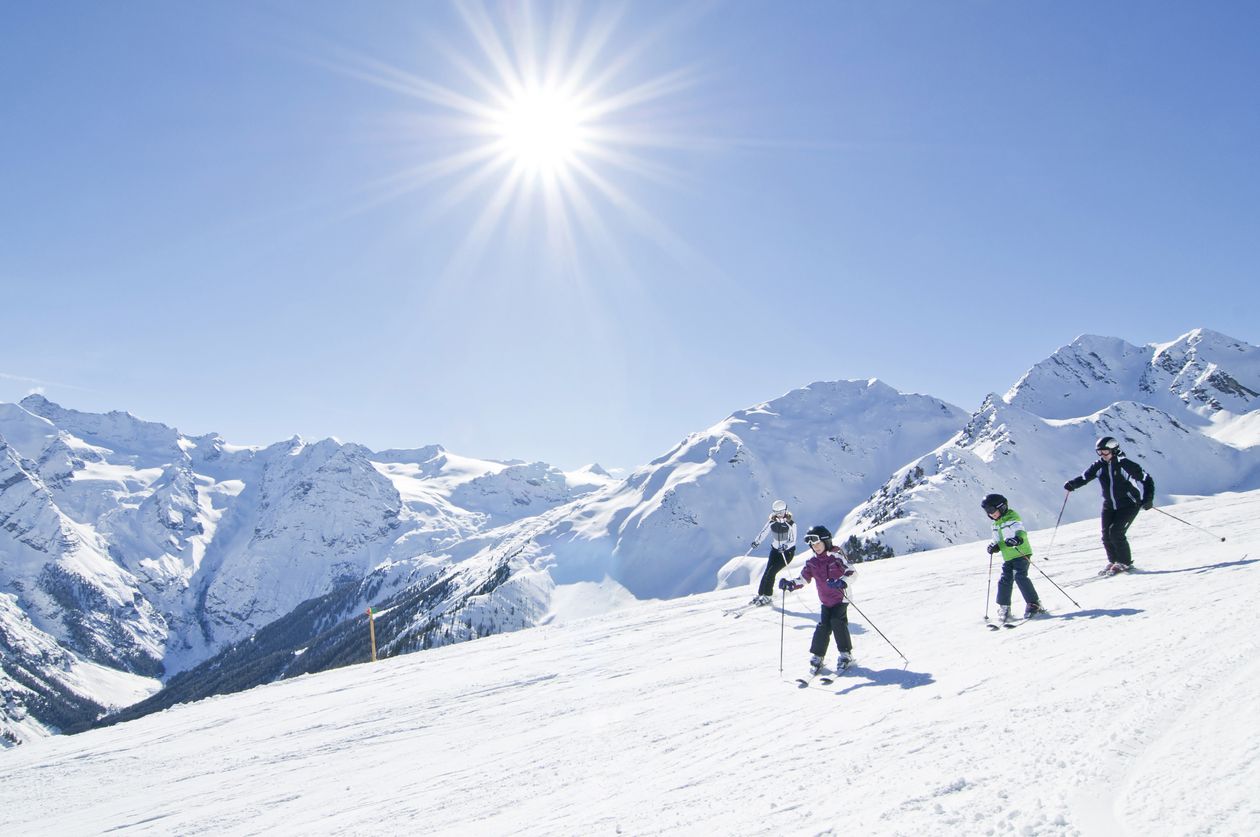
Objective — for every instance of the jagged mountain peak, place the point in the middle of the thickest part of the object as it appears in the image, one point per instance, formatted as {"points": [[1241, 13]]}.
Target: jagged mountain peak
{"points": [[116, 430], [293, 444], [829, 396], [1202, 371], [1081, 377], [413, 455], [1207, 339], [28, 432], [35, 402]]}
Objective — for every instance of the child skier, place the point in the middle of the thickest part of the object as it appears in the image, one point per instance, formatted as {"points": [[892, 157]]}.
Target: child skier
{"points": [[1011, 540], [830, 570], [782, 549]]}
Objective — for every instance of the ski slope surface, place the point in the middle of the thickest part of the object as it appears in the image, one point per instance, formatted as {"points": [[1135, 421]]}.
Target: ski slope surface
{"points": [[1134, 710]]}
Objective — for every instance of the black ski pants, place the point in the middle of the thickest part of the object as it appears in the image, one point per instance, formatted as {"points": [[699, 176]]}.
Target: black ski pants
{"points": [[834, 622], [1015, 573], [1115, 523], [778, 560]]}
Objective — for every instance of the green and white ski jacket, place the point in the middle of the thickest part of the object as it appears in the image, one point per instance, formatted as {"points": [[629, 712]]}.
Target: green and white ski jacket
{"points": [[1010, 526]]}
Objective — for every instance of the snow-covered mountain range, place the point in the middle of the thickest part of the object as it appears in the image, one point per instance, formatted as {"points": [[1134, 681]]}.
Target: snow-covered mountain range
{"points": [[129, 552], [132, 555]]}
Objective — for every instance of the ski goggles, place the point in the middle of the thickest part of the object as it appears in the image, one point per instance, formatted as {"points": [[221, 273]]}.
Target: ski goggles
{"points": [[812, 539]]}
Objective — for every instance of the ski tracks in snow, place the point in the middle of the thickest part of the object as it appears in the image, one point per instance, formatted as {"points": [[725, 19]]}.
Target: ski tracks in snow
{"points": [[1208, 681]]}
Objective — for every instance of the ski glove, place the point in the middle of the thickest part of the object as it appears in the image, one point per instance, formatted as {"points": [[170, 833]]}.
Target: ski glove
{"points": [[1148, 504], [837, 583], [1015, 541], [993, 548], [1067, 486], [753, 545], [789, 584]]}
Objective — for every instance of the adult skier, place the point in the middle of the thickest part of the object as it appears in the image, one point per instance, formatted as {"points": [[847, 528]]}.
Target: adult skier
{"points": [[1126, 488], [782, 531], [830, 570], [1011, 539]]}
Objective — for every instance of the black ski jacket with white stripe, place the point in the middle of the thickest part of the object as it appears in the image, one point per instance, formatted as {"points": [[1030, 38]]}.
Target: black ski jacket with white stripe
{"points": [[1124, 483]]}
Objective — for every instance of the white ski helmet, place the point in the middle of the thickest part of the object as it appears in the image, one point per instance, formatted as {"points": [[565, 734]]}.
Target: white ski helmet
{"points": [[779, 507]]}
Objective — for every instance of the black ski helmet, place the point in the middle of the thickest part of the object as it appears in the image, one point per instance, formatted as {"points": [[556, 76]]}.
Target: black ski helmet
{"points": [[1107, 443], [994, 503], [820, 532]]}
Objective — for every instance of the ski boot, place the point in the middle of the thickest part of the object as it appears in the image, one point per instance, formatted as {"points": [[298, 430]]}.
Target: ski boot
{"points": [[1003, 614], [1033, 609]]}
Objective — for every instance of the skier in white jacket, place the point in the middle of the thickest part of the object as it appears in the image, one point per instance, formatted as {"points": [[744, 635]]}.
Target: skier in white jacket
{"points": [[782, 530]]}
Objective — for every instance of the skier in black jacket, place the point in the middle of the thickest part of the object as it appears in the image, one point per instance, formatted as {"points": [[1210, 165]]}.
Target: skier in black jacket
{"points": [[1126, 488]]}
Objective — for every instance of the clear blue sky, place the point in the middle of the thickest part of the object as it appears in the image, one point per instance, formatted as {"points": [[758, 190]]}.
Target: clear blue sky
{"points": [[247, 217]]}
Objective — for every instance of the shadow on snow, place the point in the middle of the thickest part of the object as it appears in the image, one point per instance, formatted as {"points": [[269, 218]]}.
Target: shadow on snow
{"points": [[1224, 565], [901, 677], [1096, 613]]}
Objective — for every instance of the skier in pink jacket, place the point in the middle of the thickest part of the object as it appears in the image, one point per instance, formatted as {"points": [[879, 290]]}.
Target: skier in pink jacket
{"points": [[831, 572]]}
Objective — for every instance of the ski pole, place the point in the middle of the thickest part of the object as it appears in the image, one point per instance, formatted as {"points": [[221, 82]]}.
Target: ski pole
{"points": [[1055, 534], [1056, 586], [1191, 525], [988, 589], [782, 618], [877, 630]]}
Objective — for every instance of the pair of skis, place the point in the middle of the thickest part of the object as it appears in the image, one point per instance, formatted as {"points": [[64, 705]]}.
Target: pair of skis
{"points": [[1106, 572], [742, 609], [822, 679], [1015, 623]]}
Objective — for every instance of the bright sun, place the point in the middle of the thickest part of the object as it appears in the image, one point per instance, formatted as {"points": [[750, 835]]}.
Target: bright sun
{"points": [[542, 131]]}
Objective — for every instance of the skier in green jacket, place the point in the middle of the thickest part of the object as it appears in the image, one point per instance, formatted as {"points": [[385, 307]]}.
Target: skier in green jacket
{"points": [[1011, 539]]}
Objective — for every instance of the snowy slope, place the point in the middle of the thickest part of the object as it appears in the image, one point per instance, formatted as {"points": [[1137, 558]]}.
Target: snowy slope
{"points": [[1136, 712]]}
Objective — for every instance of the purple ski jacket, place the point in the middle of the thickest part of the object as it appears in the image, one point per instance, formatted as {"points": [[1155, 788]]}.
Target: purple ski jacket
{"points": [[831, 564]]}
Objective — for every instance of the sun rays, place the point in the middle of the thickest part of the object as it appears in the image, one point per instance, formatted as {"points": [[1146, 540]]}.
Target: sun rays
{"points": [[541, 126]]}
